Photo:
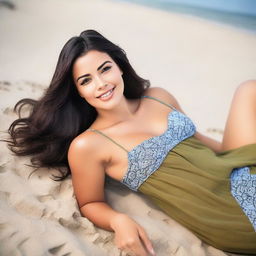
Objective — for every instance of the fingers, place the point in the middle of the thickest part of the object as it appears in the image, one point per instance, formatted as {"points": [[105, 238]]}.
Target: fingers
{"points": [[139, 248], [146, 241], [131, 237]]}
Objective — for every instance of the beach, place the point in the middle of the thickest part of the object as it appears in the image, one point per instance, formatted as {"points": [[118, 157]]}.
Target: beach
{"points": [[199, 61]]}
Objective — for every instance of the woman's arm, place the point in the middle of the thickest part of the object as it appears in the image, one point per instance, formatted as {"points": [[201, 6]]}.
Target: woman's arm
{"points": [[165, 96], [87, 163], [88, 179]]}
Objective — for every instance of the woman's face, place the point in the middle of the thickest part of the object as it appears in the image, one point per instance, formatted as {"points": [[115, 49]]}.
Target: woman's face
{"points": [[98, 79]]}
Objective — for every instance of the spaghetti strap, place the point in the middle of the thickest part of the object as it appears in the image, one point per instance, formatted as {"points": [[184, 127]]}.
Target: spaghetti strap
{"points": [[103, 134], [144, 96], [153, 98]]}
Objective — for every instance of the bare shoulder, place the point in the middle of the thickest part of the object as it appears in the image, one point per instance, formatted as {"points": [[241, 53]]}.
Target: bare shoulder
{"points": [[164, 95], [87, 169], [83, 142], [85, 148]]}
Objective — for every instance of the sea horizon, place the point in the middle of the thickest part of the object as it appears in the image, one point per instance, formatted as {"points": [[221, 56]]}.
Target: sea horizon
{"points": [[240, 14]]}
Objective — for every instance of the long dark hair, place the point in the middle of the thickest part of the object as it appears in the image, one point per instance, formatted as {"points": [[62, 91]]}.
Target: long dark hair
{"points": [[61, 114]]}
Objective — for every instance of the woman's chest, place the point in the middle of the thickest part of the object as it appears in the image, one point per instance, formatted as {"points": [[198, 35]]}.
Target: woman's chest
{"points": [[134, 165]]}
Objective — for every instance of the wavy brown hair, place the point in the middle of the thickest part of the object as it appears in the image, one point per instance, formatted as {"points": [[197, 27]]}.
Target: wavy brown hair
{"points": [[61, 114]]}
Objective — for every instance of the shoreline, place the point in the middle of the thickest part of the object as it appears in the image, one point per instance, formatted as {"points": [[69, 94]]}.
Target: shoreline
{"points": [[238, 21]]}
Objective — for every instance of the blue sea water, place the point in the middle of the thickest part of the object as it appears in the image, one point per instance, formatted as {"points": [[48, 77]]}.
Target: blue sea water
{"points": [[236, 13]]}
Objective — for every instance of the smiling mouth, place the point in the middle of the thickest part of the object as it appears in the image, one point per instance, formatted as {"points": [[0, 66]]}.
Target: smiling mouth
{"points": [[106, 94]]}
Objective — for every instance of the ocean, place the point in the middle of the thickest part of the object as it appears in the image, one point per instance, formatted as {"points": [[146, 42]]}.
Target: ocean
{"points": [[235, 13]]}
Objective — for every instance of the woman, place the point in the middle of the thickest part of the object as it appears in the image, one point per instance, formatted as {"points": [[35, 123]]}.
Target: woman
{"points": [[98, 118]]}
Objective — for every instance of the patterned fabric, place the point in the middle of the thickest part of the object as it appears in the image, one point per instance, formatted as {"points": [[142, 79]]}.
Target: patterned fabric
{"points": [[147, 157], [243, 188]]}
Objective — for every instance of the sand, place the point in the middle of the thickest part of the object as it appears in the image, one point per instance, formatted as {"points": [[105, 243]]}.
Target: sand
{"points": [[199, 61]]}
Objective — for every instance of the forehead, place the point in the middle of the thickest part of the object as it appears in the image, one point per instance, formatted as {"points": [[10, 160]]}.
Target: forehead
{"points": [[90, 61]]}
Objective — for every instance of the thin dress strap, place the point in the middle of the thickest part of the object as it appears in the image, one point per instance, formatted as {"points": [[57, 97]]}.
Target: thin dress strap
{"points": [[144, 96], [103, 134], [153, 98]]}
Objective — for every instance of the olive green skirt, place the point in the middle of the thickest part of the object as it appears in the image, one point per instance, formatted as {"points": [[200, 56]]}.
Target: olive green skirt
{"points": [[192, 186]]}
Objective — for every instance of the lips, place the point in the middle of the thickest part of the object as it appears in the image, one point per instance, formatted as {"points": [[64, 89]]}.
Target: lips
{"points": [[106, 94]]}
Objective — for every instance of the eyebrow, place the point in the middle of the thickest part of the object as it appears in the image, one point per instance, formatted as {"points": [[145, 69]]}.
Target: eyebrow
{"points": [[97, 69]]}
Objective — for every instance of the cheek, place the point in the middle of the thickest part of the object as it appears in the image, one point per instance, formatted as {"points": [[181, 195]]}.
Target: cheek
{"points": [[117, 79], [85, 93]]}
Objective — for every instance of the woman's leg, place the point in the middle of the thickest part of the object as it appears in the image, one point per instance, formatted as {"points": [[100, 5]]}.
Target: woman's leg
{"points": [[241, 123]]}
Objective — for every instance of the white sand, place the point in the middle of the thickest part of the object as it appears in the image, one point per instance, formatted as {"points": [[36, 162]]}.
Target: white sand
{"points": [[200, 62]]}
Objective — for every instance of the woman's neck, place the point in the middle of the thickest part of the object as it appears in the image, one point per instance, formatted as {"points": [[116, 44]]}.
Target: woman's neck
{"points": [[126, 110]]}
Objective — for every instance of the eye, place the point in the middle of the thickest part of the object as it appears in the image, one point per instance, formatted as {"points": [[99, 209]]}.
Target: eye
{"points": [[85, 81], [106, 68]]}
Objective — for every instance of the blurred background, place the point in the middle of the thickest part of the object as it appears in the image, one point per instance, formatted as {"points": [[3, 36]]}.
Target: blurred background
{"points": [[239, 13], [198, 50]]}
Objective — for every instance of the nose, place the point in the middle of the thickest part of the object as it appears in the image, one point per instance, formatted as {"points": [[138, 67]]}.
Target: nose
{"points": [[100, 83]]}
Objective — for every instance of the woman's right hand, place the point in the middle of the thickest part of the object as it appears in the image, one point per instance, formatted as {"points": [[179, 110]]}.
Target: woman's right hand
{"points": [[131, 237]]}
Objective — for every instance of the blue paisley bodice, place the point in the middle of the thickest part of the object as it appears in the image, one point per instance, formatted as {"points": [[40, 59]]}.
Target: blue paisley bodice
{"points": [[147, 157]]}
